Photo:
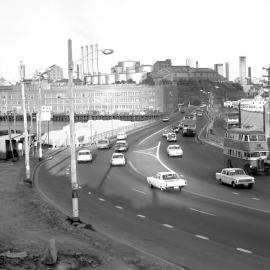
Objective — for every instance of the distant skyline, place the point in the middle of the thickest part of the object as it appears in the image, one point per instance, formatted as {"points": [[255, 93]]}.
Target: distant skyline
{"points": [[209, 31]]}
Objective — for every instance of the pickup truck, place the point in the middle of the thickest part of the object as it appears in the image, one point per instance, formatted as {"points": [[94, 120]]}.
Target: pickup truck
{"points": [[235, 177], [166, 181]]}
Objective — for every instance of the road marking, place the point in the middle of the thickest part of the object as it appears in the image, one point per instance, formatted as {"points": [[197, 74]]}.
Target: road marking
{"points": [[102, 200], [134, 168], [89, 193], [256, 199], [168, 226], [138, 191], [158, 158], [119, 207], [206, 213], [223, 201], [235, 193], [141, 216], [142, 141], [202, 237], [244, 250], [49, 158]]}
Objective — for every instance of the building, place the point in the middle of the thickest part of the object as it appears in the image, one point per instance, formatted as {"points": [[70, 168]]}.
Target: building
{"points": [[227, 71], [242, 70], [219, 68], [161, 65], [54, 73], [103, 99]]}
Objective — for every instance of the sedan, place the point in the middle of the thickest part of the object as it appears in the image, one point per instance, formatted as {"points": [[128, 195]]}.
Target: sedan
{"points": [[118, 159], [174, 150], [165, 119]]}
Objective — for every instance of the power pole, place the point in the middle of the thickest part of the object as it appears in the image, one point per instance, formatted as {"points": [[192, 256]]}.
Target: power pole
{"points": [[39, 120], [26, 136], [268, 84], [74, 184]]}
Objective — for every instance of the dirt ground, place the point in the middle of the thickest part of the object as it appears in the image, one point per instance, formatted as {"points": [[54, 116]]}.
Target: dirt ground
{"points": [[27, 223]]}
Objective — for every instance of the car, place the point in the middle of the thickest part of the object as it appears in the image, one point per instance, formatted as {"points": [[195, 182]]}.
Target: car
{"points": [[122, 135], [180, 125], [235, 177], [103, 144], [166, 181], [171, 137], [199, 114], [118, 159], [165, 119], [165, 132], [84, 155], [175, 129], [174, 150], [121, 146]]}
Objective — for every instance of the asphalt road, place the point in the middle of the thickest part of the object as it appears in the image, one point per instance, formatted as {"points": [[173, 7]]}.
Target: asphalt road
{"points": [[206, 226]]}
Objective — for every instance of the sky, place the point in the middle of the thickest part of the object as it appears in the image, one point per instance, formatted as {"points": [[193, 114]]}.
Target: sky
{"points": [[208, 31]]}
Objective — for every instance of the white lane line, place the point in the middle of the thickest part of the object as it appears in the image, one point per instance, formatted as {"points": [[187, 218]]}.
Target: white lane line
{"points": [[202, 237], [142, 141], [227, 202], [158, 158], [202, 212], [119, 207], [244, 250], [256, 199], [168, 226], [235, 193], [102, 200], [134, 168], [141, 216], [138, 191]]}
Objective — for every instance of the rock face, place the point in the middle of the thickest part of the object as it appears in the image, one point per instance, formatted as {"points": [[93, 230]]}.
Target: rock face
{"points": [[50, 255]]}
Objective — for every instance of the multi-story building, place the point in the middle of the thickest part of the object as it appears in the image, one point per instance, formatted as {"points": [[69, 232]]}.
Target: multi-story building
{"points": [[107, 99], [54, 73], [161, 65], [219, 68], [242, 70]]}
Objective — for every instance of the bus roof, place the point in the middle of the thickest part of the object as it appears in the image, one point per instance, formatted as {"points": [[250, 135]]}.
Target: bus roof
{"points": [[244, 131]]}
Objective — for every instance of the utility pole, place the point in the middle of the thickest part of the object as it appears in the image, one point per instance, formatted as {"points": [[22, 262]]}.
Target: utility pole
{"points": [[74, 184], [268, 84], [39, 119], [26, 136]]}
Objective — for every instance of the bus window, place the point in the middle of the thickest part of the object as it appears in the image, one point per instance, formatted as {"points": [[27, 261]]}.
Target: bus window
{"points": [[261, 138], [253, 138], [246, 138]]}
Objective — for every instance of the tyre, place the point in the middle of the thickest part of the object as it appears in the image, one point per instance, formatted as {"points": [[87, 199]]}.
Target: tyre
{"points": [[234, 185], [180, 188], [150, 185], [220, 181], [250, 186]]}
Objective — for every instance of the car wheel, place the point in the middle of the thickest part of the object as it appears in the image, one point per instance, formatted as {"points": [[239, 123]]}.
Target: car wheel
{"points": [[150, 185], [180, 188], [233, 185], [250, 186], [220, 181]]}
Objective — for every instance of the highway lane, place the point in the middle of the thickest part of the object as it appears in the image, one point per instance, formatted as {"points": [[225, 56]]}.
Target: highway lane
{"points": [[185, 212]]}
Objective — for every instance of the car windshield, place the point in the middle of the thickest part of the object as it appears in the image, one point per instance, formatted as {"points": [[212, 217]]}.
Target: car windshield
{"points": [[169, 176], [175, 147], [84, 153], [120, 144], [118, 156], [102, 141], [237, 172]]}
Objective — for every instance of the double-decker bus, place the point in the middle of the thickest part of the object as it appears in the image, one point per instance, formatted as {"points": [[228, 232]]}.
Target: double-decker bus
{"points": [[247, 149]]}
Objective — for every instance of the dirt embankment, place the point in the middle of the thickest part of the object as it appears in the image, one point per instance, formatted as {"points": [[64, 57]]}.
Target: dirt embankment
{"points": [[27, 223]]}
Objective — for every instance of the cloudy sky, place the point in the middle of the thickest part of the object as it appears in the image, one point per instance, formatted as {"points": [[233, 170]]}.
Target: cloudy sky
{"points": [[207, 31]]}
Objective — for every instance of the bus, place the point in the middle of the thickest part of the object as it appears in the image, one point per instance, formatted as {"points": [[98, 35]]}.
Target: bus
{"points": [[247, 149]]}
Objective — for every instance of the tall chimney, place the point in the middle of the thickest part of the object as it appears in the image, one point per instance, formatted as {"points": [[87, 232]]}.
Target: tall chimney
{"points": [[87, 59], [92, 58], [197, 64], [78, 72], [96, 47], [82, 63]]}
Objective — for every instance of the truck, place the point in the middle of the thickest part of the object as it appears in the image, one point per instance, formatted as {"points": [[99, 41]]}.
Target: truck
{"points": [[189, 127]]}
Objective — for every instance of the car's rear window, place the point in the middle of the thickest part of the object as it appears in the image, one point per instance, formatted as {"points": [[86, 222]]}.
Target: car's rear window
{"points": [[84, 153], [103, 141], [118, 156]]}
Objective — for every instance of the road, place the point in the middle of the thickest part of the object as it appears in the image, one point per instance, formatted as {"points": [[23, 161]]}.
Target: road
{"points": [[206, 226]]}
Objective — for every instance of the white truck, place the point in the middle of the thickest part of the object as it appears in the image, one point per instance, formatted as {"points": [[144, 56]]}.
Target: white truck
{"points": [[166, 181]]}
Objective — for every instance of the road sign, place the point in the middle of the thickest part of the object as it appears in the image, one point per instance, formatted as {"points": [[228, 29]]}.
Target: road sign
{"points": [[46, 113]]}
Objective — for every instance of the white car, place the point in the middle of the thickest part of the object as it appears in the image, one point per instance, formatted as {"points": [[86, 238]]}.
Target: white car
{"points": [[166, 132], [171, 137], [235, 177], [121, 135], [166, 181], [121, 146], [103, 144], [174, 150], [84, 155], [165, 119], [118, 159]]}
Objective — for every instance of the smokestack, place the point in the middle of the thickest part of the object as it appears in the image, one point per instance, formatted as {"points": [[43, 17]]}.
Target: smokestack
{"points": [[82, 63], [87, 59], [227, 73], [96, 47], [78, 72], [197, 64], [249, 74], [92, 58]]}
